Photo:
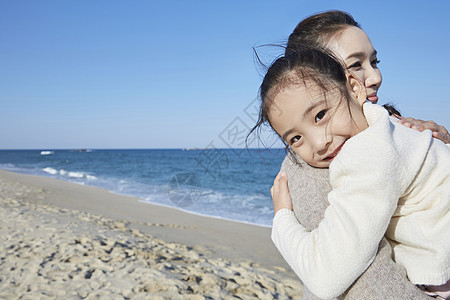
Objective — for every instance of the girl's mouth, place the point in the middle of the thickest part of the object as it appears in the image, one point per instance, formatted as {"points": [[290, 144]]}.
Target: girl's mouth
{"points": [[333, 154]]}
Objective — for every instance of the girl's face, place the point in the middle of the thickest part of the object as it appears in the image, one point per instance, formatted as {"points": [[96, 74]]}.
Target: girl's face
{"points": [[314, 124], [360, 58]]}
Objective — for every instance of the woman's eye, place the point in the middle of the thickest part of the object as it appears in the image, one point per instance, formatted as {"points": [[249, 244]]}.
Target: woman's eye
{"points": [[295, 139], [375, 62], [355, 65], [320, 115]]}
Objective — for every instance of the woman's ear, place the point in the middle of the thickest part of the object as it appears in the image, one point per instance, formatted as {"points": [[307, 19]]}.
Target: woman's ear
{"points": [[357, 89]]}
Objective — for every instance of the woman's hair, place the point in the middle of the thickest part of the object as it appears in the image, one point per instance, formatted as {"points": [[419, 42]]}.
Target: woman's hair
{"points": [[305, 66], [317, 29]]}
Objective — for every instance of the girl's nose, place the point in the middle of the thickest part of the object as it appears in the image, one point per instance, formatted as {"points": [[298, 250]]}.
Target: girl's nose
{"points": [[321, 142], [373, 78]]}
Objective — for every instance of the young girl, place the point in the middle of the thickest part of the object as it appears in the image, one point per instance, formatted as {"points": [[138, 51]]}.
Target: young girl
{"points": [[377, 175]]}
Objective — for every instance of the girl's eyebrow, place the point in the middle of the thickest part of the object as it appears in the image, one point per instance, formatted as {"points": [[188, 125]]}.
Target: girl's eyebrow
{"points": [[312, 107], [307, 111]]}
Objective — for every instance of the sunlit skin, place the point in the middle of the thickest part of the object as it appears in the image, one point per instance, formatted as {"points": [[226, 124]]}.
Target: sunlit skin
{"points": [[316, 126], [354, 47]]}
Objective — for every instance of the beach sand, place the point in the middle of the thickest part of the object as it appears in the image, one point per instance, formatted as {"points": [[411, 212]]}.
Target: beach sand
{"points": [[61, 240]]}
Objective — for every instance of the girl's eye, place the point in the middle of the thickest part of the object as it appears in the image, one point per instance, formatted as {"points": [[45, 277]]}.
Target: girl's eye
{"points": [[355, 65], [320, 115], [375, 62], [295, 139]]}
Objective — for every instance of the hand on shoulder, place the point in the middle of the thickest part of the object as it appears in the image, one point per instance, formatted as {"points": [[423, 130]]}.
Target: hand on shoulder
{"points": [[439, 132]]}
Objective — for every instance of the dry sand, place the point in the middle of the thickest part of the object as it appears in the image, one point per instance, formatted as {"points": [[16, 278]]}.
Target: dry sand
{"points": [[60, 240]]}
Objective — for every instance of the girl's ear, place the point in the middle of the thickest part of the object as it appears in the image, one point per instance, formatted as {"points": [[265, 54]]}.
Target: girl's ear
{"points": [[357, 89]]}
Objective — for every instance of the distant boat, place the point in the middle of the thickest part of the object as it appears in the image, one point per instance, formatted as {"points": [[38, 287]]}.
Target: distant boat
{"points": [[82, 150], [47, 152]]}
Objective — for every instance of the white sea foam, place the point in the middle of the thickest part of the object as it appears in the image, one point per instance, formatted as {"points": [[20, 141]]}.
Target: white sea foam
{"points": [[70, 174], [50, 171], [47, 152], [75, 174]]}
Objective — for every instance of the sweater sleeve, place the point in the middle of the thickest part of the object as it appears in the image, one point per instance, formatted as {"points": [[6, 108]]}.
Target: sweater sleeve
{"points": [[331, 257]]}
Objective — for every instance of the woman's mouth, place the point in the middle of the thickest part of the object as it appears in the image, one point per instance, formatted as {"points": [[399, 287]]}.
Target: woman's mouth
{"points": [[373, 97], [333, 154]]}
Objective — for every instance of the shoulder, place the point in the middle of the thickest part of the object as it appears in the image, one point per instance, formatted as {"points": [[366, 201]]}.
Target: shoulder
{"points": [[293, 165]]}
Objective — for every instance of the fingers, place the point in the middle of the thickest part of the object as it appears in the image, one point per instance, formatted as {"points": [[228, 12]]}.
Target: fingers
{"points": [[280, 193], [431, 125], [275, 188], [439, 132], [442, 136], [283, 186], [413, 123]]}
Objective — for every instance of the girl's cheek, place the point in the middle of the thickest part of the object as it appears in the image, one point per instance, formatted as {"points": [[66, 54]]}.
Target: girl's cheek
{"points": [[300, 153]]}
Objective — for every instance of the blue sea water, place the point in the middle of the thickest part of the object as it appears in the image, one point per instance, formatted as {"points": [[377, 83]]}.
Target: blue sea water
{"points": [[225, 183]]}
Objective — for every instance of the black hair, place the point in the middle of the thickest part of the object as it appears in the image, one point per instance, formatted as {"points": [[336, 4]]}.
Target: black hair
{"points": [[317, 29]]}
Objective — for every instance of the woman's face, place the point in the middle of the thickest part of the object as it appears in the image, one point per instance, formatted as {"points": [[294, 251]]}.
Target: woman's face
{"points": [[360, 58]]}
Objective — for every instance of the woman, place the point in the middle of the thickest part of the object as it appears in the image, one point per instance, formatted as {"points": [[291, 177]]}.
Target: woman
{"points": [[309, 186]]}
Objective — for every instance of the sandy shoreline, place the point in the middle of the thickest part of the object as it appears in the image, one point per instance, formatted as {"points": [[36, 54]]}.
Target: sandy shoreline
{"points": [[66, 241]]}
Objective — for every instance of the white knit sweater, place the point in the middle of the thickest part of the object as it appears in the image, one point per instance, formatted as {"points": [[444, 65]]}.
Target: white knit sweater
{"points": [[386, 171]]}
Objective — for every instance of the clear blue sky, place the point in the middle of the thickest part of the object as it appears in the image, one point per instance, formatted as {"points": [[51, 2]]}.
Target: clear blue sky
{"points": [[177, 74]]}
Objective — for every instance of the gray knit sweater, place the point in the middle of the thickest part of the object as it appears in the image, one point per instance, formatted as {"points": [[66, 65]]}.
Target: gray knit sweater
{"points": [[384, 279]]}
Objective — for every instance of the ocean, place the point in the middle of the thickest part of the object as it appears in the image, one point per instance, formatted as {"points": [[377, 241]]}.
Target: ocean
{"points": [[231, 184]]}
